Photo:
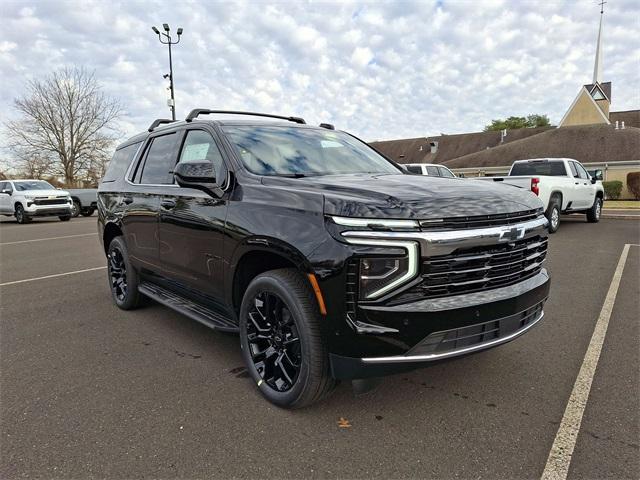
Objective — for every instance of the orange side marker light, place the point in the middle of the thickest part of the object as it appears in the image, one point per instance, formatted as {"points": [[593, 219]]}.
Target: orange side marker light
{"points": [[318, 292]]}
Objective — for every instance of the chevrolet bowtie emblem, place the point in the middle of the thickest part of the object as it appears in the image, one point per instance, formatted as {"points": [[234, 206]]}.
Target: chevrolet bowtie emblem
{"points": [[512, 234]]}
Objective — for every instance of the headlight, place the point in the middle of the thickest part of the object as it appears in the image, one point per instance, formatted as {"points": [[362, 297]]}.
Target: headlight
{"points": [[382, 274], [29, 197], [376, 274]]}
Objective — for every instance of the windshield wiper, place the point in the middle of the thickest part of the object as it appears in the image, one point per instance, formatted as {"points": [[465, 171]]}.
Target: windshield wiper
{"points": [[290, 175]]}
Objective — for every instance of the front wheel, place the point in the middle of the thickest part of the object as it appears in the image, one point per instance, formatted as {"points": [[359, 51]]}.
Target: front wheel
{"points": [[282, 342], [593, 214], [20, 215], [64, 218], [75, 209], [87, 212]]}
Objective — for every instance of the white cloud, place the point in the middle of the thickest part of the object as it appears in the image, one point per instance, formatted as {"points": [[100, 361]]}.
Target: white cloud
{"points": [[377, 69]]}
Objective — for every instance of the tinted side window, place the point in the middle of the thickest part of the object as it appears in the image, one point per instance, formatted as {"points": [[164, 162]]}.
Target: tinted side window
{"points": [[432, 171], [160, 160], [572, 167], [444, 172], [199, 146], [414, 169], [120, 162]]}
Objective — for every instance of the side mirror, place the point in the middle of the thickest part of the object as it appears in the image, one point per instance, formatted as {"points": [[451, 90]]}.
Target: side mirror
{"points": [[594, 179], [6, 191], [198, 175]]}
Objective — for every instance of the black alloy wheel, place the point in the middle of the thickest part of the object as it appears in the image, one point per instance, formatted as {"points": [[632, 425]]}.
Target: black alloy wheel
{"points": [[118, 274], [274, 342]]}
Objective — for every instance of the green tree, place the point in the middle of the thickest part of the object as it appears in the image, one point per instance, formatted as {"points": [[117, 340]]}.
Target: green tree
{"points": [[511, 123]]}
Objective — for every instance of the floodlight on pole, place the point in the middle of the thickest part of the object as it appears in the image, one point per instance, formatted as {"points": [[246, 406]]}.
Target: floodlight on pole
{"points": [[167, 41]]}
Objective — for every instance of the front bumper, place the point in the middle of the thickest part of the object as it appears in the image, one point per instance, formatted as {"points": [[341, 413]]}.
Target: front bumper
{"points": [[438, 329], [48, 210]]}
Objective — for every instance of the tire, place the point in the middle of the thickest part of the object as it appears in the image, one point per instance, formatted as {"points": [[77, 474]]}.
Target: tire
{"points": [[123, 278], [553, 215], [75, 209], [21, 217], [65, 218], [87, 212], [264, 336], [593, 214]]}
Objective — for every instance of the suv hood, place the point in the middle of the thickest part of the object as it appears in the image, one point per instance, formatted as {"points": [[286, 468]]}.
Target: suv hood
{"points": [[411, 196]]}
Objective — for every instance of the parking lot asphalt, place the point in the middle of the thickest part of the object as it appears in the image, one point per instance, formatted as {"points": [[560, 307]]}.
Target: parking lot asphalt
{"points": [[87, 390]]}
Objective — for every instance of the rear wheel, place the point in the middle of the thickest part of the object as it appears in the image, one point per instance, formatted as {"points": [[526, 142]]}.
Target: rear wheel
{"points": [[553, 215], [593, 214], [20, 215], [281, 339], [123, 279]]}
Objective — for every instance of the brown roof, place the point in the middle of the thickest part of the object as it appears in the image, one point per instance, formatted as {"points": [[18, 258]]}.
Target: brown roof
{"points": [[631, 118], [449, 146], [585, 143]]}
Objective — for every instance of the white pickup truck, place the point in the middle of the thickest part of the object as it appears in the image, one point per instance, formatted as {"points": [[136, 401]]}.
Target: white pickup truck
{"points": [[563, 185]]}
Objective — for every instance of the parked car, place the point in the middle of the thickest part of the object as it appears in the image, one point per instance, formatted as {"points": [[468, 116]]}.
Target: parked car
{"points": [[563, 185], [85, 201], [328, 259], [430, 169], [26, 199]]}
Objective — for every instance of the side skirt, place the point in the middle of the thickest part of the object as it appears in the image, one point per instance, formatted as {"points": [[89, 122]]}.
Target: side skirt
{"points": [[187, 307]]}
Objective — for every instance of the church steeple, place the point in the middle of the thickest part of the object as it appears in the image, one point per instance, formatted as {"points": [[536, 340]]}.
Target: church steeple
{"points": [[597, 68]]}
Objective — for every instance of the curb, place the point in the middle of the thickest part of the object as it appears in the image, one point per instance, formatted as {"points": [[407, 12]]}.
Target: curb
{"points": [[620, 216]]}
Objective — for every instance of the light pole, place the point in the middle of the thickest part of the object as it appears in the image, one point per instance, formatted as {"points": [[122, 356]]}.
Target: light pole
{"points": [[167, 41]]}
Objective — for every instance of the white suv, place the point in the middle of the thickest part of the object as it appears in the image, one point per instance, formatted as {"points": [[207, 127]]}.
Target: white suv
{"points": [[430, 169], [26, 199]]}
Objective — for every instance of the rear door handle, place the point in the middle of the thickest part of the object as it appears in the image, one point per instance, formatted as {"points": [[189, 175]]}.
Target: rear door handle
{"points": [[168, 204], [127, 200]]}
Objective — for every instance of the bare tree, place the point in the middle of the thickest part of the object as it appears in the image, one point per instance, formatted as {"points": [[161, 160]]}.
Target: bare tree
{"points": [[66, 119], [32, 164]]}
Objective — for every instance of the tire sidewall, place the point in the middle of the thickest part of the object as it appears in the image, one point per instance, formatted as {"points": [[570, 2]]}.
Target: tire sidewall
{"points": [[553, 206], [131, 298], [270, 284], [21, 216], [75, 210]]}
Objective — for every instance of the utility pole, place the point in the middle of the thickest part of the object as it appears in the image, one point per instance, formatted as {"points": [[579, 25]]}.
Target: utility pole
{"points": [[167, 41]]}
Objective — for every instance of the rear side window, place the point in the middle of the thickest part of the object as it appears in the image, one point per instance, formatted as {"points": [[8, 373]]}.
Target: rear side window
{"points": [[552, 169], [160, 160], [432, 171], [414, 169], [120, 162], [574, 171]]}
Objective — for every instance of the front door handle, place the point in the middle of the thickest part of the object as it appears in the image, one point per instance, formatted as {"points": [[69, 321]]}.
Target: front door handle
{"points": [[168, 204], [577, 183], [127, 200]]}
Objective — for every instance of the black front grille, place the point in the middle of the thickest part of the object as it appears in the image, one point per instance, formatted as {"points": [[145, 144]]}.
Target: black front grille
{"points": [[50, 201], [472, 335], [479, 268], [479, 221]]}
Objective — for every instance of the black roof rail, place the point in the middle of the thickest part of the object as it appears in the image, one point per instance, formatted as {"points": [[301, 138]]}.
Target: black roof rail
{"points": [[204, 111], [159, 121], [328, 126]]}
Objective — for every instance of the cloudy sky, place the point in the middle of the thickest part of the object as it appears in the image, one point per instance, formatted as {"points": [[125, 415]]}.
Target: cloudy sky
{"points": [[381, 70]]}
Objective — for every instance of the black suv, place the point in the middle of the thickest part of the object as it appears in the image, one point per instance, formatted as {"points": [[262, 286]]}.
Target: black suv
{"points": [[329, 261]]}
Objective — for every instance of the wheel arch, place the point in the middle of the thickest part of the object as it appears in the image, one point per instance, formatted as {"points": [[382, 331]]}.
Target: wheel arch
{"points": [[111, 231], [556, 193], [256, 256]]}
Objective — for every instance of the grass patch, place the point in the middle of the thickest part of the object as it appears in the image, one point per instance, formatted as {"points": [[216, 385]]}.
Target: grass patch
{"points": [[622, 204]]}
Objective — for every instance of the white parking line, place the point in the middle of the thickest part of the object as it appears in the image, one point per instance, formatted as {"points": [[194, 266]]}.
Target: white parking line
{"points": [[50, 238], [52, 276], [559, 459]]}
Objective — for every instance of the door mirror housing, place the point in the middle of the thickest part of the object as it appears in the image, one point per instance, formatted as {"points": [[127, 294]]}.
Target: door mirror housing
{"points": [[594, 180], [6, 191], [198, 175]]}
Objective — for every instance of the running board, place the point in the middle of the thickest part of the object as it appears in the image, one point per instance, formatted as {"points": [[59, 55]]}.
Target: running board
{"points": [[187, 307]]}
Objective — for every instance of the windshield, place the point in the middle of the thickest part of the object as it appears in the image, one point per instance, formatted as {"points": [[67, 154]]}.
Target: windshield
{"points": [[552, 169], [295, 151], [33, 185]]}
